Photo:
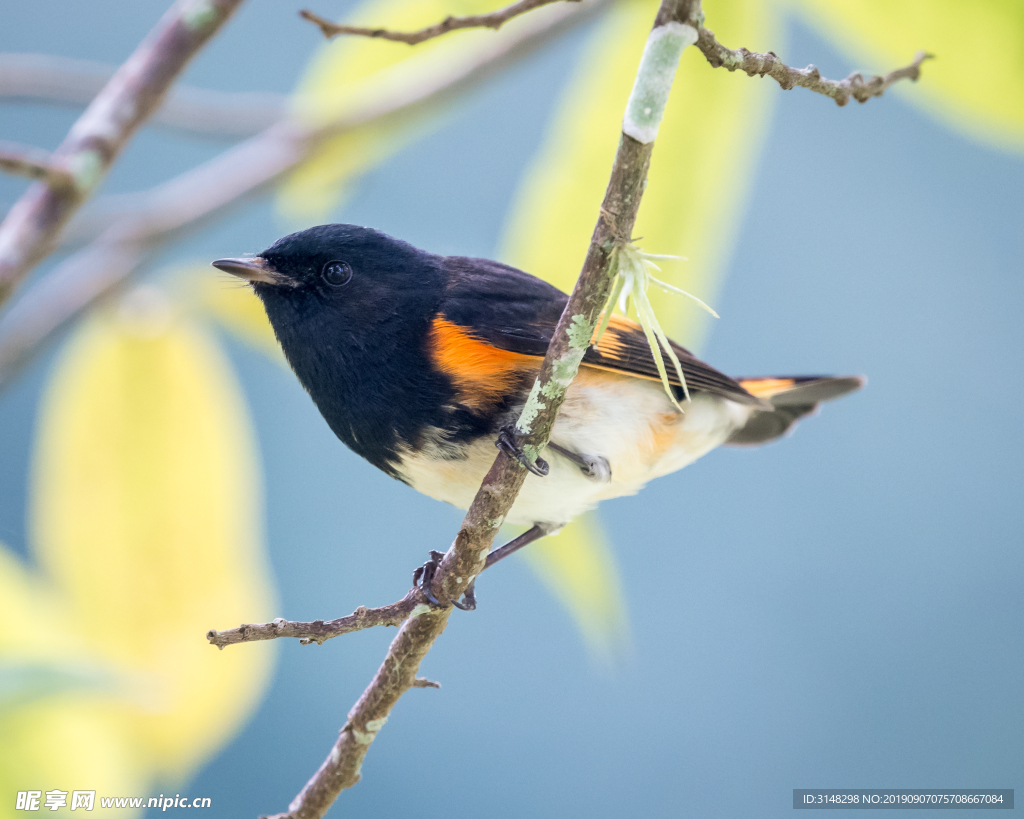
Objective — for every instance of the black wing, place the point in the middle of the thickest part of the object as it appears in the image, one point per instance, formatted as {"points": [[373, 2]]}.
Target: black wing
{"points": [[518, 312]]}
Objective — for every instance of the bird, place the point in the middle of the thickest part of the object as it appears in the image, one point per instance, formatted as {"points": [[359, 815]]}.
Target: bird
{"points": [[421, 363]]}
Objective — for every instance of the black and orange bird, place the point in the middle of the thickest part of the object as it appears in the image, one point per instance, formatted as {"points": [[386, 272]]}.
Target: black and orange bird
{"points": [[421, 363]]}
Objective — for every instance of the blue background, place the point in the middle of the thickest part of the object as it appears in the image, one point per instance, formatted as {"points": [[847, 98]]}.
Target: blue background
{"points": [[841, 609]]}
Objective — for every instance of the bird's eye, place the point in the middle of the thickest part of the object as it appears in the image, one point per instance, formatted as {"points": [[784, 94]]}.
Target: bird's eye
{"points": [[336, 273]]}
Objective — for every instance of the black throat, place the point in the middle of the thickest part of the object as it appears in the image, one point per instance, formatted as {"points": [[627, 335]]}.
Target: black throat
{"points": [[367, 368]]}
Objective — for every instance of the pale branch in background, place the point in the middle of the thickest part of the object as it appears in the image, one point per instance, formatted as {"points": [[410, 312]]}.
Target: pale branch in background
{"points": [[187, 202], [494, 20], [673, 29], [810, 78], [35, 163], [45, 79], [30, 230]]}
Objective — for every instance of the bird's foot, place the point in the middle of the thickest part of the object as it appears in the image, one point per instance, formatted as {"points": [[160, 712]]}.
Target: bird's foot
{"points": [[468, 602], [423, 578], [508, 442], [593, 466]]}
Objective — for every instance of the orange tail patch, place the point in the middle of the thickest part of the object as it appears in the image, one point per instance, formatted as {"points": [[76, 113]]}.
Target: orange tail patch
{"points": [[767, 387]]}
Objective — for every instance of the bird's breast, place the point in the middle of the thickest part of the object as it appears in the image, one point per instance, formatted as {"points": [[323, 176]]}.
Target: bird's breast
{"points": [[627, 421]]}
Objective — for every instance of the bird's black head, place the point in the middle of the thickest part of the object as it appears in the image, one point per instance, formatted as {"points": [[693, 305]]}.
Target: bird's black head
{"points": [[352, 308], [355, 274]]}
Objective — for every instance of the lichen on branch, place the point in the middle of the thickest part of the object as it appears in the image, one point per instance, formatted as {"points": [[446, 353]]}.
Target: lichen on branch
{"points": [[30, 229]]}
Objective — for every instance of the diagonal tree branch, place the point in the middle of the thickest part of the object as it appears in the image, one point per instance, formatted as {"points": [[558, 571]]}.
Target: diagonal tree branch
{"points": [[495, 20], [769, 64], [188, 201], [674, 29], [30, 230], [35, 163]]}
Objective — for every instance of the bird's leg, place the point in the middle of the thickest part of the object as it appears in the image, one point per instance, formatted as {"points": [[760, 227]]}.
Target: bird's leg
{"points": [[536, 532], [424, 576], [508, 442], [593, 466]]}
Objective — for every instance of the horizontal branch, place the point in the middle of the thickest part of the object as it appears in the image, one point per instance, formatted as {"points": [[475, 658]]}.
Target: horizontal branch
{"points": [[318, 631], [35, 163], [188, 201], [52, 80], [494, 20], [30, 230], [810, 78]]}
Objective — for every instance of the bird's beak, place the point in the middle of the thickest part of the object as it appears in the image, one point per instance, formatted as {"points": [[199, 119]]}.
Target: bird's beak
{"points": [[253, 269]]}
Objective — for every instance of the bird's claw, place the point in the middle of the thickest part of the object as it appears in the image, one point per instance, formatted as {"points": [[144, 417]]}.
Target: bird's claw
{"points": [[468, 602], [423, 579], [508, 443]]}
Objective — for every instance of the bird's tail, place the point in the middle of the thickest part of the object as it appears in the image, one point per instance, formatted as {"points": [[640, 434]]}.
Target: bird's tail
{"points": [[791, 398]]}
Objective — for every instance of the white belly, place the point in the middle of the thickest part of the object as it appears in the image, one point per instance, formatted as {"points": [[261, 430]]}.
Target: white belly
{"points": [[628, 421]]}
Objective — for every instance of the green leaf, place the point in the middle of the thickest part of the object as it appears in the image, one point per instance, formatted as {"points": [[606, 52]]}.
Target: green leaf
{"points": [[973, 85]]}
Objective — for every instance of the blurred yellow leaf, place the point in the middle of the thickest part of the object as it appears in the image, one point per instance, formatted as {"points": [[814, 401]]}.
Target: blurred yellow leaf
{"points": [[30, 606], [348, 69], [70, 742], [975, 83], [145, 525], [350, 72], [700, 170], [579, 569]]}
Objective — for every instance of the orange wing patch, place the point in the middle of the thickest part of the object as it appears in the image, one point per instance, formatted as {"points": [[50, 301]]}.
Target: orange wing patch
{"points": [[482, 373], [611, 344], [610, 340], [614, 349], [767, 387]]}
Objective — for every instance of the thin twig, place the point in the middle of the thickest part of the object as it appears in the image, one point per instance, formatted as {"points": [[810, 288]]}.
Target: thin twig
{"points": [[770, 65], [676, 22], [35, 163], [494, 20], [318, 631], [30, 230], [188, 201], [48, 79]]}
